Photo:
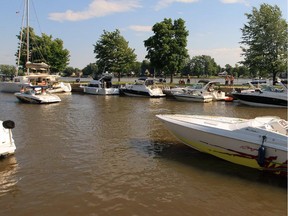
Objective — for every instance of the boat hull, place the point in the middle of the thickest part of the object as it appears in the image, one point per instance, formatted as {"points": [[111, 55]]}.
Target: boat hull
{"points": [[37, 100], [101, 91], [262, 100], [141, 93], [238, 150], [12, 87], [194, 98]]}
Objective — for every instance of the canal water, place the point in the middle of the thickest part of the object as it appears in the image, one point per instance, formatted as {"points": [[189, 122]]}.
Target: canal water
{"points": [[110, 155]]}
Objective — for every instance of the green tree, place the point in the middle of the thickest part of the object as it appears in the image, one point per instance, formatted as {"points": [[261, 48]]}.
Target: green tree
{"points": [[68, 71], [229, 69], [167, 47], [42, 49], [203, 66], [8, 70], [113, 53], [135, 69], [146, 67], [91, 70], [265, 41]]}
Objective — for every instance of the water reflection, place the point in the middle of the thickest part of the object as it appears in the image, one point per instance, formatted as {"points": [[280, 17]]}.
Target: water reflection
{"points": [[8, 178]]}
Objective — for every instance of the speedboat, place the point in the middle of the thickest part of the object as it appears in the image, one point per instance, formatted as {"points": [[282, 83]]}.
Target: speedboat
{"points": [[7, 145], [259, 143], [193, 95], [36, 95], [265, 96], [102, 86], [143, 87], [203, 91]]}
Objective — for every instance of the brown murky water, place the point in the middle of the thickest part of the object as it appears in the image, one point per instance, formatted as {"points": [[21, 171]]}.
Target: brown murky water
{"points": [[97, 155]]}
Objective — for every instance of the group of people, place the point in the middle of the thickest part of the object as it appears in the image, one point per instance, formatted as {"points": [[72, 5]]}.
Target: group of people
{"points": [[229, 80]]}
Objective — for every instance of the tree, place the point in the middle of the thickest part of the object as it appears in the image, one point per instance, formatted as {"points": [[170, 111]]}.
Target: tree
{"points": [[8, 70], [135, 69], [43, 49], [203, 66], [265, 41], [113, 53], [69, 71], [146, 68], [91, 70], [167, 47]]}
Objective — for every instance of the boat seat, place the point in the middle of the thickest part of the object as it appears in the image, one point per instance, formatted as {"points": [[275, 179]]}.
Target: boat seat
{"points": [[280, 126]]}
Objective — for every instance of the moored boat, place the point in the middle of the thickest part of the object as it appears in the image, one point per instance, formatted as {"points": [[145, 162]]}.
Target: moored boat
{"points": [[7, 145], [203, 91], [143, 87], [36, 95], [101, 86], [265, 96], [259, 143]]}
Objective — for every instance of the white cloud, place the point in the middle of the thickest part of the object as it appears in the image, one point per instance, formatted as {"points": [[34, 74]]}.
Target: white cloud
{"points": [[97, 8], [140, 28], [235, 1], [222, 56], [165, 3]]}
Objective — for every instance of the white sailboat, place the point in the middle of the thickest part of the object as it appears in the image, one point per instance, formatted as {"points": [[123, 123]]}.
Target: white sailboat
{"points": [[19, 82]]}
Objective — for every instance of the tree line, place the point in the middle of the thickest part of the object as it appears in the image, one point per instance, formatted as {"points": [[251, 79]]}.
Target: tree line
{"points": [[263, 43]]}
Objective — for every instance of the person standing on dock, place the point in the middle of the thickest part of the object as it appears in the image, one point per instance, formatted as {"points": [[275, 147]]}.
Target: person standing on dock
{"points": [[231, 80], [227, 80]]}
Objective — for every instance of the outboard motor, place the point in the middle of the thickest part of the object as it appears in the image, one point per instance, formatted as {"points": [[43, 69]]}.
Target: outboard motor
{"points": [[261, 153]]}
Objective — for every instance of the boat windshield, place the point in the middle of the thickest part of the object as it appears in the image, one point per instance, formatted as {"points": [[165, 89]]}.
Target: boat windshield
{"points": [[271, 88]]}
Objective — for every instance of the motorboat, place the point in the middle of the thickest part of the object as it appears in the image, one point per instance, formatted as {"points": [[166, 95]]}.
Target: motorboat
{"points": [[264, 96], [37, 95], [259, 143], [143, 87], [170, 91], [59, 87], [7, 145], [35, 79], [203, 91], [101, 86], [193, 95]]}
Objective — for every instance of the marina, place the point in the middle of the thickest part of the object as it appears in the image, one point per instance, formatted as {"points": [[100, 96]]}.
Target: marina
{"points": [[107, 155]]}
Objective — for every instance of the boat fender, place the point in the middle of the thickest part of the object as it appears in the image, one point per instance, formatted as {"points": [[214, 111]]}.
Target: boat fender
{"points": [[8, 124], [262, 152]]}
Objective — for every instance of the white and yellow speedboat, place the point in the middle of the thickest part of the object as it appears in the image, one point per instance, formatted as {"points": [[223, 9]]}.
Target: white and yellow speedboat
{"points": [[259, 143]]}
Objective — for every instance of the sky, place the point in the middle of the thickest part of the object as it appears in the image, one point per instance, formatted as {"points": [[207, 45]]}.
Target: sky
{"points": [[214, 25]]}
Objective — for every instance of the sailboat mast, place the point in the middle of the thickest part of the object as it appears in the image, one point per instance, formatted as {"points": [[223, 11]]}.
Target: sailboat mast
{"points": [[27, 33]]}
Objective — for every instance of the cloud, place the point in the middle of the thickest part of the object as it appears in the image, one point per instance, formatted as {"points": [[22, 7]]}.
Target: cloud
{"points": [[140, 28], [222, 56], [97, 8], [235, 1], [165, 3]]}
